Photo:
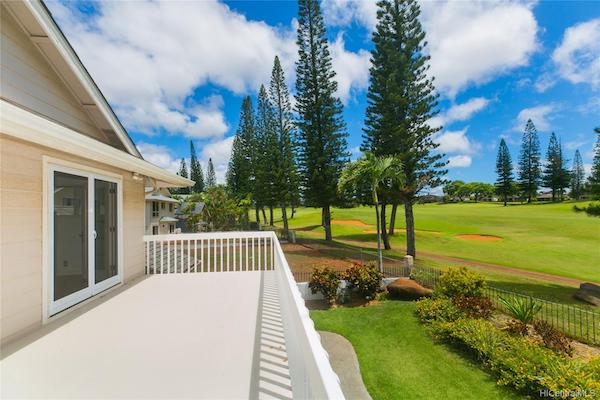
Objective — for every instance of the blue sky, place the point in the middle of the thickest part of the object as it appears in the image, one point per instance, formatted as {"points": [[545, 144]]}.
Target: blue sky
{"points": [[177, 71]]}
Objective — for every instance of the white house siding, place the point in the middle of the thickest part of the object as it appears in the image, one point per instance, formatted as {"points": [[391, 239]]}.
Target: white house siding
{"points": [[21, 198], [27, 79]]}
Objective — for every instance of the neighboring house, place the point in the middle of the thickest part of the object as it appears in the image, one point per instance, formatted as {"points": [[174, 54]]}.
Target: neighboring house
{"points": [[182, 214], [72, 181], [218, 315], [544, 196], [160, 212]]}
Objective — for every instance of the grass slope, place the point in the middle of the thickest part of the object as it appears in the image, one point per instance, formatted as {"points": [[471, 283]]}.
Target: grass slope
{"points": [[548, 238], [399, 360]]}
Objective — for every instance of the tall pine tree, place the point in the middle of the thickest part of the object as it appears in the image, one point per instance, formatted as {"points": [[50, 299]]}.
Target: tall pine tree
{"points": [[240, 177], [577, 176], [287, 181], [267, 153], [401, 99], [211, 177], [196, 171], [556, 176], [529, 162], [594, 178], [504, 170], [183, 171], [321, 128]]}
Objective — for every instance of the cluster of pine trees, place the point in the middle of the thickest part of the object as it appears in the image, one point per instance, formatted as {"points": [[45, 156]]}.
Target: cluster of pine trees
{"points": [[280, 158], [554, 174], [201, 182], [263, 164]]}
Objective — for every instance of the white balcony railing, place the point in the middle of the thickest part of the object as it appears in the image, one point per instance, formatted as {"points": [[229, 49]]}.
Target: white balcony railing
{"points": [[310, 371]]}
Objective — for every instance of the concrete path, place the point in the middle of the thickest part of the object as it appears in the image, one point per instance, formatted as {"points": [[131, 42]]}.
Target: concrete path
{"points": [[345, 364]]}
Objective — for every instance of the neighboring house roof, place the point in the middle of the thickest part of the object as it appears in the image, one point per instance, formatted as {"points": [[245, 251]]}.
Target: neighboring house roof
{"points": [[160, 197], [168, 219], [196, 211], [37, 22]]}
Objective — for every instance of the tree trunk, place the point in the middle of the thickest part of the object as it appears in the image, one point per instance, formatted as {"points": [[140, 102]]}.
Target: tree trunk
{"points": [[410, 228], [257, 215], [264, 215], [271, 215], [379, 255], [393, 219], [284, 218], [293, 212], [326, 218], [384, 235]]}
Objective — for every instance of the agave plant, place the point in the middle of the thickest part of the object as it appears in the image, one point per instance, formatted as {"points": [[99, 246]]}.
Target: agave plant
{"points": [[521, 309]]}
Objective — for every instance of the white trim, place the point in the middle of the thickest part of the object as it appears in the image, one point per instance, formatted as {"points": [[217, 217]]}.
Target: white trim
{"points": [[45, 20], [51, 307], [30, 127]]}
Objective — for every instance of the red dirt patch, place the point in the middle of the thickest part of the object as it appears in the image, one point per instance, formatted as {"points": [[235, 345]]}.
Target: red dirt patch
{"points": [[480, 238], [352, 222]]}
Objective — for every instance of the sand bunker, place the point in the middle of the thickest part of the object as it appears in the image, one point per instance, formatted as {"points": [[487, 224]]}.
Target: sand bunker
{"points": [[352, 222], [481, 238]]}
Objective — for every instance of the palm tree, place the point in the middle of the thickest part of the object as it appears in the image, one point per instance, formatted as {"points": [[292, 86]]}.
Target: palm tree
{"points": [[374, 173]]}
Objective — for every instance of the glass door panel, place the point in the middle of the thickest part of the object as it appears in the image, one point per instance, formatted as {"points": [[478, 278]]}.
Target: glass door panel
{"points": [[105, 222], [70, 234]]}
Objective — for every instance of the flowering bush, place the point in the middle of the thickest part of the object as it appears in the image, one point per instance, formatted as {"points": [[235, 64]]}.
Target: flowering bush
{"points": [[326, 281], [364, 279]]}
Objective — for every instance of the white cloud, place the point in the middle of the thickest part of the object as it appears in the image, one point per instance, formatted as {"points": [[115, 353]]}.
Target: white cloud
{"points": [[459, 146], [352, 69], [588, 169], [591, 106], [462, 161], [578, 55], [473, 42], [544, 82], [160, 156], [149, 57], [540, 115], [469, 42], [460, 112], [344, 12], [456, 142]]}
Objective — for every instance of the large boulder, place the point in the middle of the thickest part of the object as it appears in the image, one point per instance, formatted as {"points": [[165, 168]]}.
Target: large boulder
{"points": [[407, 289], [588, 292]]}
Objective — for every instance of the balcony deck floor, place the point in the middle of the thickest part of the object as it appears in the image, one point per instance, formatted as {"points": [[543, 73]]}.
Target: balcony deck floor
{"points": [[168, 336]]}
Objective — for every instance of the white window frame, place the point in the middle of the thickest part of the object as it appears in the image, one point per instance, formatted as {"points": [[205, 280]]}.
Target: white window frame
{"points": [[51, 307]]}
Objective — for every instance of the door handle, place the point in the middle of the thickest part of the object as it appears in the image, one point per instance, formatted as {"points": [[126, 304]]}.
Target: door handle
{"points": [[95, 235]]}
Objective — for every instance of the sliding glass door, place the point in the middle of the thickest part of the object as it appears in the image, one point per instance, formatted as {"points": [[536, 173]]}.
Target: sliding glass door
{"points": [[84, 236]]}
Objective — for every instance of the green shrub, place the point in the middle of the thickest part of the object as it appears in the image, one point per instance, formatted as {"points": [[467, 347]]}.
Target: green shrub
{"points": [[520, 363], [440, 309], [521, 308], [364, 279], [592, 209], [474, 307], [553, 338], [460, 282], [326, 281]]}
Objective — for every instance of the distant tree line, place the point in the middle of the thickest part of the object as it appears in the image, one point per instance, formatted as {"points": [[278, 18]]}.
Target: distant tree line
{"points": [[201, 182], [553, 174]]}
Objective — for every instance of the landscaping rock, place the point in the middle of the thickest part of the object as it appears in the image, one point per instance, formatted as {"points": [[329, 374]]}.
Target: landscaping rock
{"points": [[407, 289], [588, 292]]}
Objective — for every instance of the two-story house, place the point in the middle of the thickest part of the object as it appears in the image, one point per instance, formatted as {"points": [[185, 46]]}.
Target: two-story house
{"points": [[160, 211]]}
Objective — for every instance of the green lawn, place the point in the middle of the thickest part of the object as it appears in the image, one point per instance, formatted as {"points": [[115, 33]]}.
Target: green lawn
{"points": [[548, 238], [399, 360]]}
